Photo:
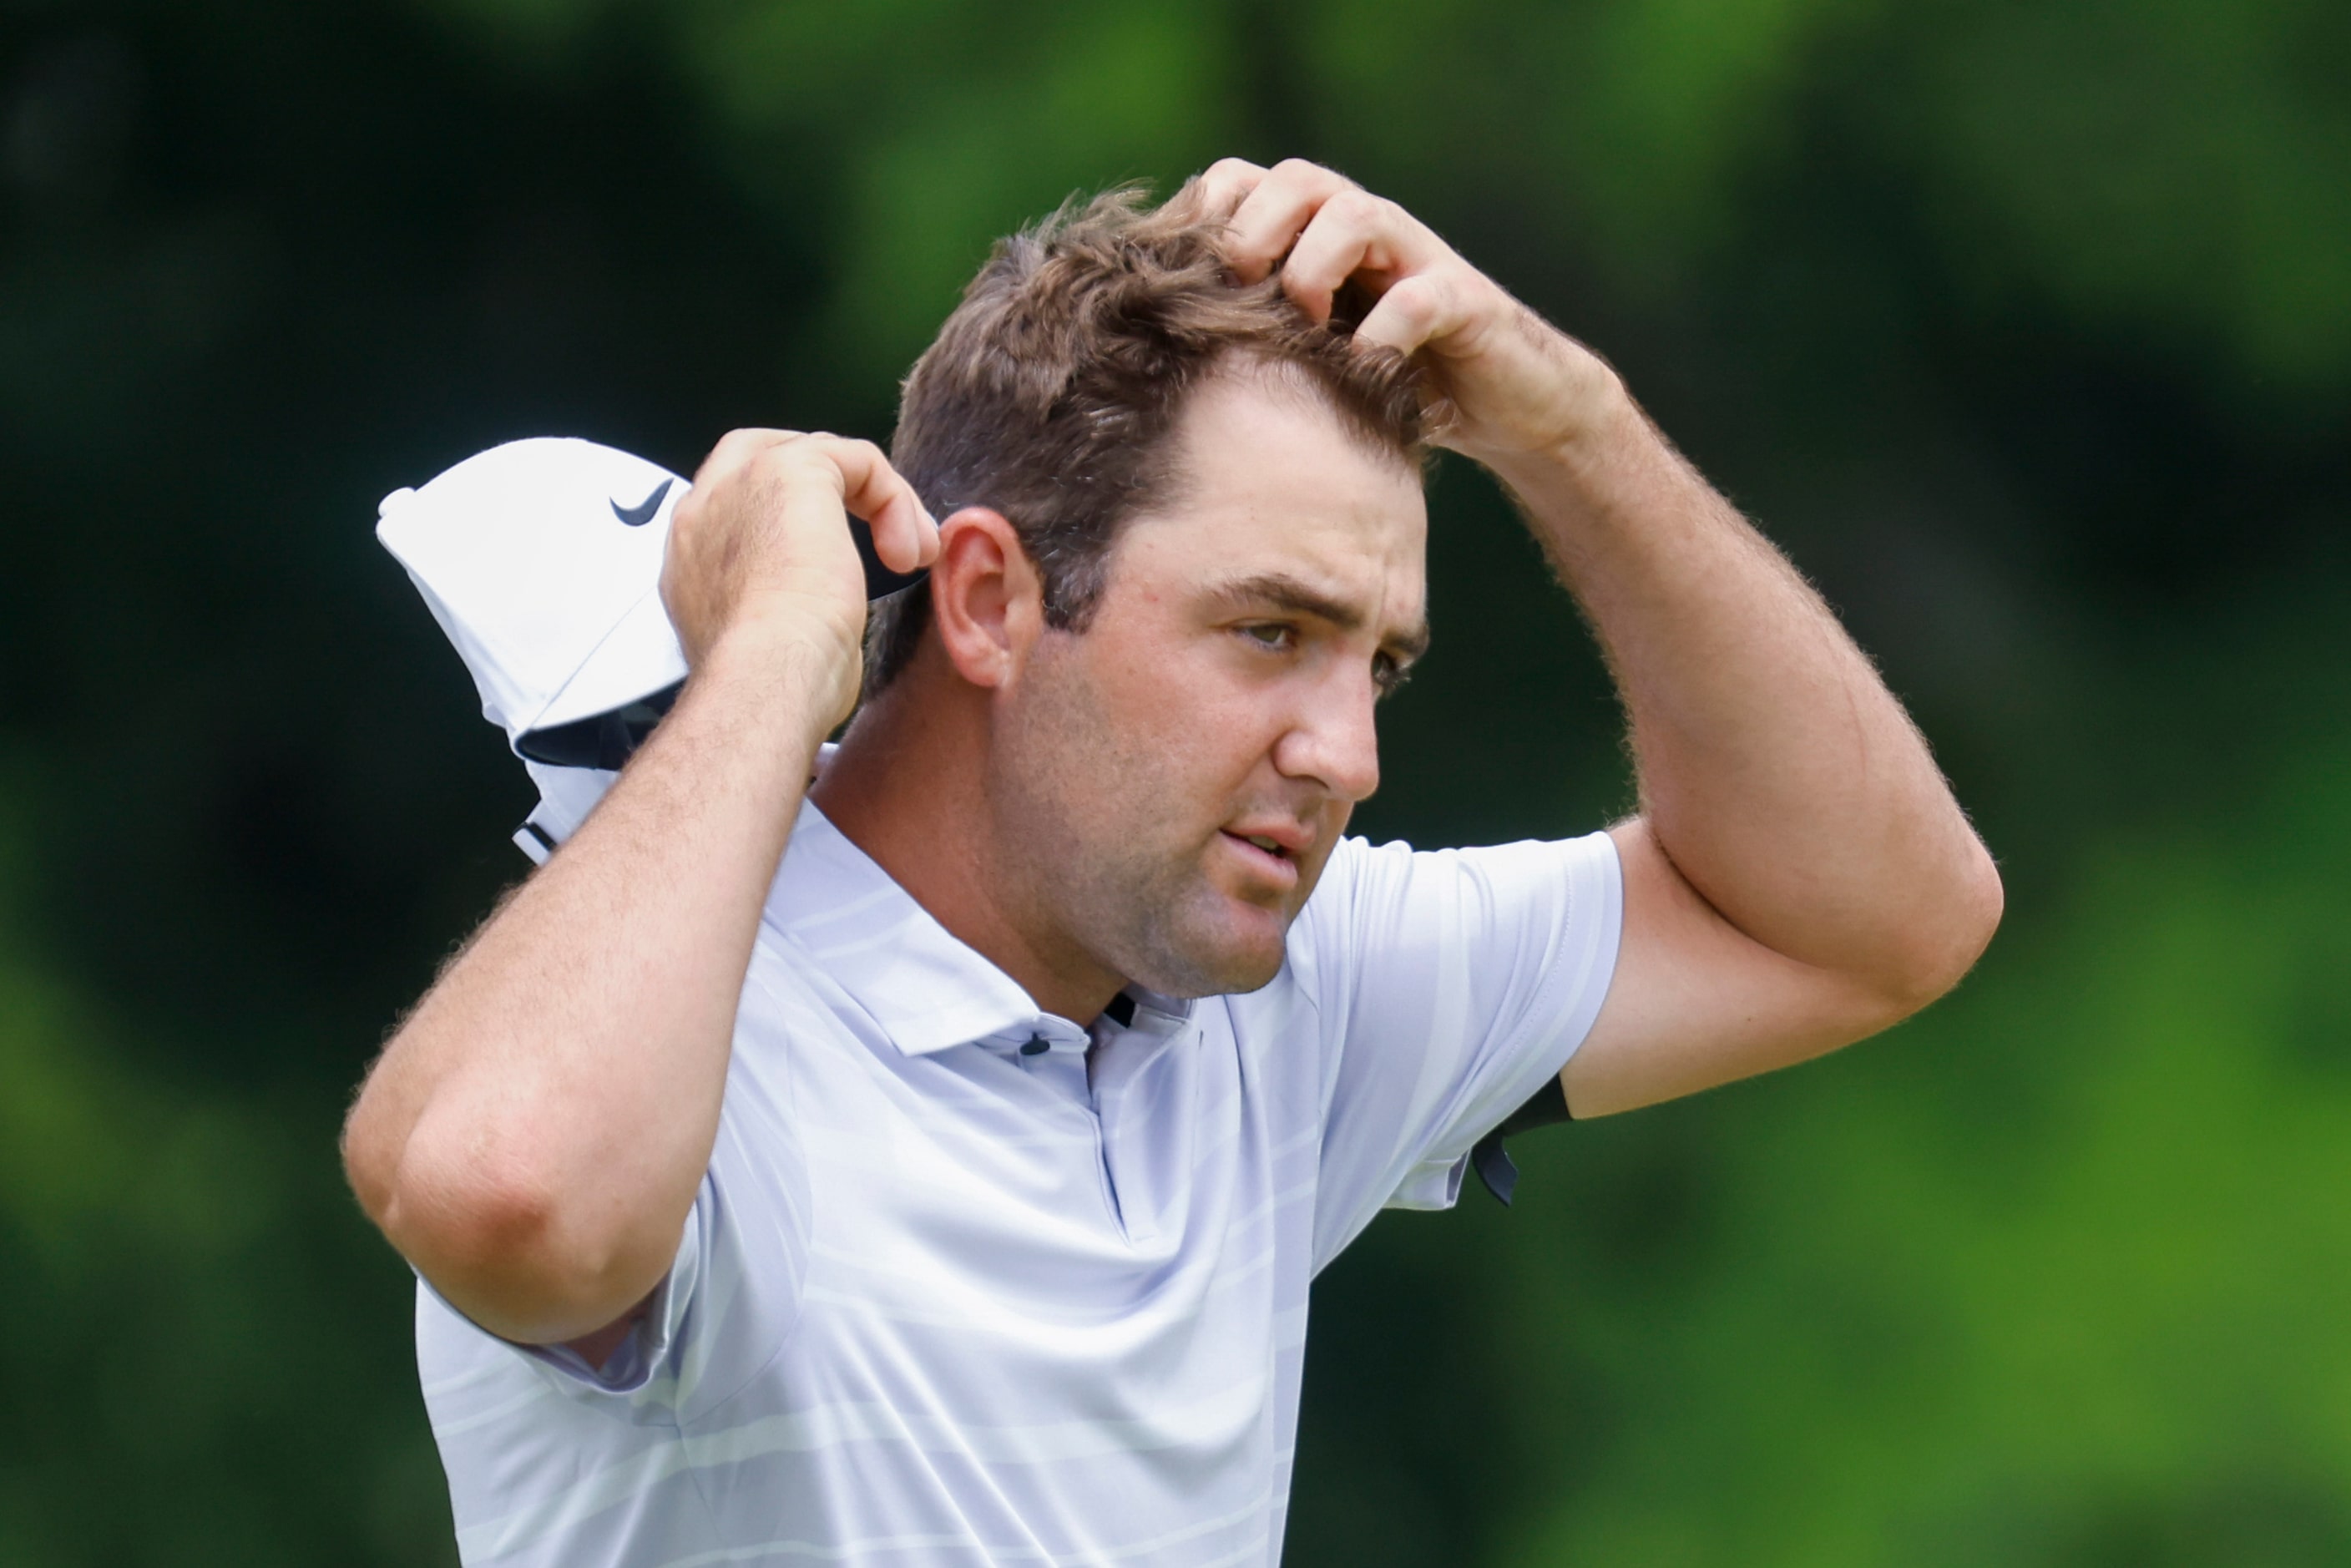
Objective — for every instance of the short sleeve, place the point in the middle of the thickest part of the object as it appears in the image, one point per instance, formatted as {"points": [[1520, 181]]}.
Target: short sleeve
{"points": [[1450, 985], [731, 1294]]}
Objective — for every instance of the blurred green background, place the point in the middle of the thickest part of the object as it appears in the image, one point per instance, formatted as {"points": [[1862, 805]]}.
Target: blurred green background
{"points": [[2024, 324]]}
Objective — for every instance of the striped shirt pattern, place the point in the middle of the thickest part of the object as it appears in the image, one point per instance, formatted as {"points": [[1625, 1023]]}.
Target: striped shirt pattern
{"points": [[970, 1284]]}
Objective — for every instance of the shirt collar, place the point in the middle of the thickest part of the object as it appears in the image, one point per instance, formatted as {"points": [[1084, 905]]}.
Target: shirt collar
{"points": [[925, 988]]}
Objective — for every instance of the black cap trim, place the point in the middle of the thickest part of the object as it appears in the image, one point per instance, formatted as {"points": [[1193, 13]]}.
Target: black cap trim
{"points": [[602, 740]]}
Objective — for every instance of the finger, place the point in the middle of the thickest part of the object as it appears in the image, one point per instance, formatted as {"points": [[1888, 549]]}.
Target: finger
{"points": [[906, 535], [1225, 183], [1272, 215], [1359, 237], [738, 449], [1417, 309]]}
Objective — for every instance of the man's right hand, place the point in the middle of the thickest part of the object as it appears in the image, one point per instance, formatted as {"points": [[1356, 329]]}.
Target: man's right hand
{"points": [[534, 1134], [762, 540]]}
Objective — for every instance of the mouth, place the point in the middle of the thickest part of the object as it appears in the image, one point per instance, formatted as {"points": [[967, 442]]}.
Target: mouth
{"points": [[1267, 858]]}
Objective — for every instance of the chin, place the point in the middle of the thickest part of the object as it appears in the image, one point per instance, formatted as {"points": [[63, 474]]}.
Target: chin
{"points": [[1225, 962]]}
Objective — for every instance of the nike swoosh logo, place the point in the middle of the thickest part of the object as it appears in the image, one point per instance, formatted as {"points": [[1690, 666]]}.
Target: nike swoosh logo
{"points": [[638, 516]]}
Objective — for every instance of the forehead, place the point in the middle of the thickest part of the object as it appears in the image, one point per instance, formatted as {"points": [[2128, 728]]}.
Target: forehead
{"points": [[1269, 480]]}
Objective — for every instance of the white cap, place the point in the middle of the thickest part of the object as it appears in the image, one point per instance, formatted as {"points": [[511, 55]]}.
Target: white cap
{"points": [[541, 559]]}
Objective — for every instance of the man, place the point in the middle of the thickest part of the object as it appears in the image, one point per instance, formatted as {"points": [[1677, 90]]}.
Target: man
{"points": [[951, 1195]]}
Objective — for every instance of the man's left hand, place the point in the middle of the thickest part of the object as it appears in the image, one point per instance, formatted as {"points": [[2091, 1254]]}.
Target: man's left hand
{"points": [[1508, 383]]}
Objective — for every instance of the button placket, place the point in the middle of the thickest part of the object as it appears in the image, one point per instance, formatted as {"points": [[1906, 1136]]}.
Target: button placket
{"points": [[1123, 1055]]}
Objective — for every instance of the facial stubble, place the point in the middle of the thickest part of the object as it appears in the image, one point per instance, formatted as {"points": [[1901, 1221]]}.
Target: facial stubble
{"points": [[1103, 842]]}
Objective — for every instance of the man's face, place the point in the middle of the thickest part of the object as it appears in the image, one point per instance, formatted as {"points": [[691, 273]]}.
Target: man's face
{"points": [[1175, 777]]}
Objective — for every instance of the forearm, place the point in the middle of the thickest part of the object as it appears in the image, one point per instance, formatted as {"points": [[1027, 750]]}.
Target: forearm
{"points": [[1781, 777], [534, 1134]]}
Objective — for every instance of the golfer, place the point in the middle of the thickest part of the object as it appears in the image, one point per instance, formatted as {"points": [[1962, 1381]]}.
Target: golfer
{"points": [[919, 1151]]}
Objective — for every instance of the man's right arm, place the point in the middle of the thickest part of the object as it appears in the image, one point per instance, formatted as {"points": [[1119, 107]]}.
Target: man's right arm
{"points": [[533, 1136]]}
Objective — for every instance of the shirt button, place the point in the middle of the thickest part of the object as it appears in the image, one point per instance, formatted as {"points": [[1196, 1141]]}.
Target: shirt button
{"points": [[1036, 1046]]}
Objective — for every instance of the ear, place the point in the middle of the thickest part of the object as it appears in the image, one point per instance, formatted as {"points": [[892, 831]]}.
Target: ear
{"points": [[986, 600]]}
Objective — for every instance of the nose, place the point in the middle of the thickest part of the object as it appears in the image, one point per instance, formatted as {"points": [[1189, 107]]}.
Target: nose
{"points": [[1334, 741]]}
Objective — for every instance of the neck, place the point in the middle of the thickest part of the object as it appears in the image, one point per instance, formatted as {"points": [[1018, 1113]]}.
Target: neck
{"points": [[909, 787]]}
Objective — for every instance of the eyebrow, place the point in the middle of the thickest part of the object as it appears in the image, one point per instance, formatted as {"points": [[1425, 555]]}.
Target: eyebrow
{"points": [[1283, 592]]}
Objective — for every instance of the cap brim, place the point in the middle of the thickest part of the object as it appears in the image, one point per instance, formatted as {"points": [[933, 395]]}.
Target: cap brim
{"points": [[637, 658]]}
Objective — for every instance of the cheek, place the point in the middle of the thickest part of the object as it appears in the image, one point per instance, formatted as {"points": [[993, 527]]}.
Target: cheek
{"points": [[1190, 710], [1113, 750]]}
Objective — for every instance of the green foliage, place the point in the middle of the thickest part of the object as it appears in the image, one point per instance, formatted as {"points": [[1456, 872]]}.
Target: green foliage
{"points": [[202, 1366], [2027, 325], [2182, 167], [2094, 1303]]}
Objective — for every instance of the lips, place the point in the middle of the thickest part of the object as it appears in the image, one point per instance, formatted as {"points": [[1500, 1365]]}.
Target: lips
{"points": [[1271, 858], [1286, 839]]}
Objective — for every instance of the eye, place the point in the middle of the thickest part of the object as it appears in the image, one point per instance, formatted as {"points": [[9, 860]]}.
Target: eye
{"points": [[1388, 672], [1274, 636]]}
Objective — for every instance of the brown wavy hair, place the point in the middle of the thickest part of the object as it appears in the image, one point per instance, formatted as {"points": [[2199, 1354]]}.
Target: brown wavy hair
{"points": [[1052, 391]]}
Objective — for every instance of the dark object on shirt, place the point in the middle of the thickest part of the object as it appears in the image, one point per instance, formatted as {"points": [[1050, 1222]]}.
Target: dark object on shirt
{"points": [[1489, 1158]]}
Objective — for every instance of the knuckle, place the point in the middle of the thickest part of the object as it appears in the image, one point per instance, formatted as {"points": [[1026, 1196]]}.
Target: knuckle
{"points": [[1312, 285], [804, 452], [1422, 299]]}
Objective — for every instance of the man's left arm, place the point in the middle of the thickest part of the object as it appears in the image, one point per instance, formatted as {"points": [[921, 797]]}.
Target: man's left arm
{"points": [[1799, 876]]}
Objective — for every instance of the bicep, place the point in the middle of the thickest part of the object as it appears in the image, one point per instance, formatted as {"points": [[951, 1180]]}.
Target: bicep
{"points": [[1695, 1002]]}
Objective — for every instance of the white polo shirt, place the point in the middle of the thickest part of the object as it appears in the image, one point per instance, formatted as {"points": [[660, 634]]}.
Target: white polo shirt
{"points": [[957, 1291]]}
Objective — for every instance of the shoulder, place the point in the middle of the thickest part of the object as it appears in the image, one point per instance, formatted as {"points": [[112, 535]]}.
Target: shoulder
{"points": [[1387, 916]]}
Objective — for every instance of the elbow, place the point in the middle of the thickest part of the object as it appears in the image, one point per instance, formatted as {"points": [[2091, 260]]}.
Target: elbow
{"points": [[501, 1242], [1944, 944], [365, 1169]]}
